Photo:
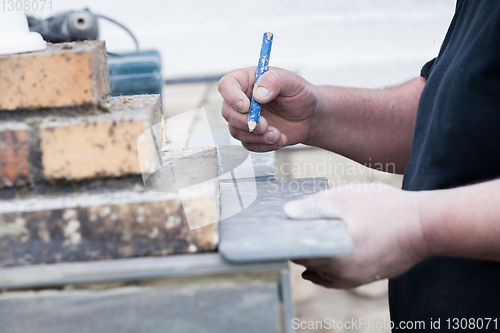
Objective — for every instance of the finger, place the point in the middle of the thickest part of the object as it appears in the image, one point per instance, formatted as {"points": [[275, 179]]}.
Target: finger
{"points": [[277, 81], [333, 265], [317, 279], [264, 148], [325, 204], [239, 120], [258, 147], [233, 87], [272, 136], [313, 263], [327, 280]]}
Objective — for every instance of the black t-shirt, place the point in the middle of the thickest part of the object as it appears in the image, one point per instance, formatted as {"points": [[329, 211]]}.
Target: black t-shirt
{"points": [[456, 143]]}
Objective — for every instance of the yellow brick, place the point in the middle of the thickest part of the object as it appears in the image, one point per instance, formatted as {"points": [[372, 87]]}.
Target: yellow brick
{"points": [[63, 75], [98, 146]]}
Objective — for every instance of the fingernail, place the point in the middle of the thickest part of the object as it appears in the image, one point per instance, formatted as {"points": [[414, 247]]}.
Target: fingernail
{"points": [[239, 105], [262, 92], [270, 136], [279, 144], [292, 209], [284, 140]]}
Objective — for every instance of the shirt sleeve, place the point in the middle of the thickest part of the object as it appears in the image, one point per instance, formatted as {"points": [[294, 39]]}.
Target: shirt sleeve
{"points": [[427, 69]]}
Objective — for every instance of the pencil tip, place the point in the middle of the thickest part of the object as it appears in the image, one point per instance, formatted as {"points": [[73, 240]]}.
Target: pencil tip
{"points": [[251, 125]]}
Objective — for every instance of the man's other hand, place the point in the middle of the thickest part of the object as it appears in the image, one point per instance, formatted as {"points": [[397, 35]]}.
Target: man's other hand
{"points": [[384, 223]]}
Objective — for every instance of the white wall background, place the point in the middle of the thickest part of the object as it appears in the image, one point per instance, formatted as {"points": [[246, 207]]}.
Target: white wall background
{"points": [[348, 42]]}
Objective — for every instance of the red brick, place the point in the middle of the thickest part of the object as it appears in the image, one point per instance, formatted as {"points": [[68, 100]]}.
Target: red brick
{"points": [[14, 153]]}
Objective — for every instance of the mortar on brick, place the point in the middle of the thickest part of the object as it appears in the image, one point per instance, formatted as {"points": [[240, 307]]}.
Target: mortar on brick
{"points": [[22, 115], [58, 188]]}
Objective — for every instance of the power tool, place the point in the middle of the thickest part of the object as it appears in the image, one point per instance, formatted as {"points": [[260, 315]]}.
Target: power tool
{"points": [[73, 26], [67, 27]]}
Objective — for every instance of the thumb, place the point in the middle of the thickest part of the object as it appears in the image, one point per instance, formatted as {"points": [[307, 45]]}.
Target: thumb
{"points": [[320, 205], [277, 81]]}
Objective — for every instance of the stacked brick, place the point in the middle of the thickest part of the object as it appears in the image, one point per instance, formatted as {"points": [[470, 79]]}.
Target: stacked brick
{"points": [[70, 178]]}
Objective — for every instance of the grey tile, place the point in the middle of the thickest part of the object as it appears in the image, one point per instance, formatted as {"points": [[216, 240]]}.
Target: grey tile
{"points": [[262, 232]]}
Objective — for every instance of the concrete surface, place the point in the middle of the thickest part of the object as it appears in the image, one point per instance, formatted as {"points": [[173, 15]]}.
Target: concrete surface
{"points": [[223, 308]]}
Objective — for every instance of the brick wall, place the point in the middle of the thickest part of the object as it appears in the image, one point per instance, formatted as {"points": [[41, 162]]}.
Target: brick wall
{"points": [[70, 178]]}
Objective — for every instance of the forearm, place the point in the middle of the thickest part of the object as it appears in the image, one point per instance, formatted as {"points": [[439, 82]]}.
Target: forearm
{"points": [[368, 125], [463, 222]]}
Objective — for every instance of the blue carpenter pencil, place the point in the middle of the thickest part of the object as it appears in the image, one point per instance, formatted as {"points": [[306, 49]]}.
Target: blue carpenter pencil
{"points": [[265, 53]]}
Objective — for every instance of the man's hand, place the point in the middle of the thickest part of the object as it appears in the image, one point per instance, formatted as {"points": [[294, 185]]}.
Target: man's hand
{"points": [[366, 125], [384, 224], [289, 106]]}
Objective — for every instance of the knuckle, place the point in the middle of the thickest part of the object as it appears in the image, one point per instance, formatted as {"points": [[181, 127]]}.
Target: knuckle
{"points": [[234, 132], [226, 113], [220, 85], [229, 117], [271, 79], [247, 146], [256, 131], [316, 207]]}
